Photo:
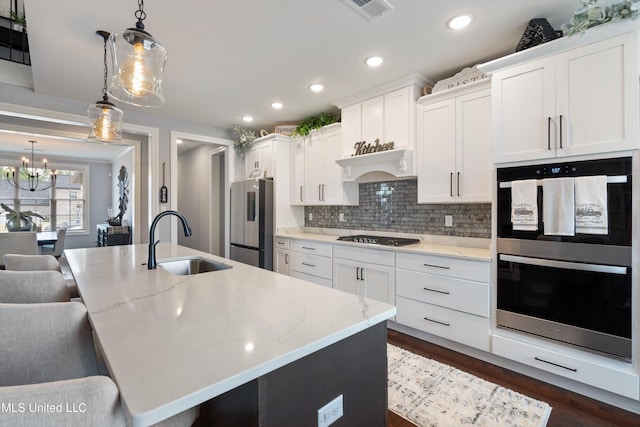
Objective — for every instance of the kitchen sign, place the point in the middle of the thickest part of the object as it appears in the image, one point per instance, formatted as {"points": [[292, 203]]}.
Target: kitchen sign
{"points": [[363, 148]]}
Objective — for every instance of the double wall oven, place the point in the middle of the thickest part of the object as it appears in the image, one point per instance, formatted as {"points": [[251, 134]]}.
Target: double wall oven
{"points": [[574, 289]]}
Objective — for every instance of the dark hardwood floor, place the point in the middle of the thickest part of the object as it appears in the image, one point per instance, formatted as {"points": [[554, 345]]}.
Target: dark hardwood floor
{"points": [[569, 409]]}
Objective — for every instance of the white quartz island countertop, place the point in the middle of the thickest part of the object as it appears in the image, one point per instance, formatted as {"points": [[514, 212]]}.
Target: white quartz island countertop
{"points": [[172, 342]]}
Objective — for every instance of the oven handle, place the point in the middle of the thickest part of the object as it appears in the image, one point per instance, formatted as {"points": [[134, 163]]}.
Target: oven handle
{"points": [[598, 268], [611, 179]]}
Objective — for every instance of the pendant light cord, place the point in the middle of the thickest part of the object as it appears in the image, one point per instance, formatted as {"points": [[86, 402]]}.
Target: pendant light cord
{"points": [[140, 15], [105, 97]]}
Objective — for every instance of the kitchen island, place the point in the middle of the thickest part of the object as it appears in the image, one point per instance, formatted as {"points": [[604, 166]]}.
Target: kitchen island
{"points": [[269, 347]]}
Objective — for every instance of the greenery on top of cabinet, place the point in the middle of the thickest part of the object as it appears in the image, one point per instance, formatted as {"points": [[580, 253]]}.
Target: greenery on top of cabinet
{"points": [[313, 123]]}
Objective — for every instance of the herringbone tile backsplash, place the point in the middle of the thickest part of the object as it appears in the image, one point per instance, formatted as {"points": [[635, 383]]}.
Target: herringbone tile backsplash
{"points": [[392, 206]]}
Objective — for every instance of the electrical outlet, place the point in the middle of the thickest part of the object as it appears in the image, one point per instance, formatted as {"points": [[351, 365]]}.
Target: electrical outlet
{"points": [[310, 216], [448, 220], [341, 217], [330, 412]]}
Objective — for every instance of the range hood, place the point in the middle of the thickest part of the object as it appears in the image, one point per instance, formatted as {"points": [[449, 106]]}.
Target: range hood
{"points": [[378, 166]]}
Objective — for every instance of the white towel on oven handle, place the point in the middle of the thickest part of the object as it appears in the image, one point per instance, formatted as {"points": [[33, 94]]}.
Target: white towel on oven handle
{"points": [[558, 206], [591, 205], [524, 205]]}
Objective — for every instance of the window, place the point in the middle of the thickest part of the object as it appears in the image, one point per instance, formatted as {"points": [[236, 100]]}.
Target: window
{"points": [[62, 205]]}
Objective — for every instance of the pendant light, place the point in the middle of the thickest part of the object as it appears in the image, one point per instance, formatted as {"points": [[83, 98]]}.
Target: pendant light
{"points": [[138, 63], [104, 117]]}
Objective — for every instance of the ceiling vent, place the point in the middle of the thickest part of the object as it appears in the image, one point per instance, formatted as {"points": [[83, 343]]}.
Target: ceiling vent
{"points": [[369, 9]]}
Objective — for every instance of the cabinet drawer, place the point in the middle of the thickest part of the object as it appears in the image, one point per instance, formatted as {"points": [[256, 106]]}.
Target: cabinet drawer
{"points": [[312, 279], [462, 295], [281, 243], [372, 256], [450, 324], [445, 266], [310, 247], [620, 381], [311, 264]]}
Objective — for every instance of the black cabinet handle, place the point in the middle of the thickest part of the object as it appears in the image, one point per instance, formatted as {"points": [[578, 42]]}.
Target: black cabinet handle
{"points": [[561, 131], [357, 273], [549, 133], [439, 322], [308, 265], [286, 258], [555, 364], [437, 266], [458, 184], [451, 184], [437, 291], [308, 248], [361, 273]]}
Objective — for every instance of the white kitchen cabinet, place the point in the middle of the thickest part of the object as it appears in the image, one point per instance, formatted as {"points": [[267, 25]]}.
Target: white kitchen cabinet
{"points": [[580, 101], [366, 272], [454, 146], [281, 254], [598, 371], [444, 296], [386, 114], [297, 168], [323, 176], [311, 261], [389, 117], [259, 156]]}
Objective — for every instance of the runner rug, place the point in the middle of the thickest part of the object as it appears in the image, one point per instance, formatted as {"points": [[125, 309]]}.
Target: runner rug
{"points": [[431, 394]]}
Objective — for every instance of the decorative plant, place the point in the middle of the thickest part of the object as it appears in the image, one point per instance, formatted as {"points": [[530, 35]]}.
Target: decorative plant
{"points": [[244, 138], [597, 12], [18, 19], [312, 123], [19, 221]]}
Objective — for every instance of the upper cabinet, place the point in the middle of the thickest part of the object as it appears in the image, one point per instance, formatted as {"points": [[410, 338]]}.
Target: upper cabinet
{"points": [[576, 101], [316, 179], [322, 176], [258, 160], [454, 146], [385, 114]]}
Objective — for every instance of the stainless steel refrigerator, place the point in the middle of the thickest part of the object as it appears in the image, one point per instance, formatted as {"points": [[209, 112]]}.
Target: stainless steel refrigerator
{"points": [[252, 222]]}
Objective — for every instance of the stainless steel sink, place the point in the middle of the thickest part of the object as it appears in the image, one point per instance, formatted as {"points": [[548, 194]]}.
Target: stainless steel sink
{"points": [[191, 265]]}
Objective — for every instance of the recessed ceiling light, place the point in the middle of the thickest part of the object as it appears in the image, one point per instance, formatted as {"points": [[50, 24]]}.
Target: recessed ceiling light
{"points": [[247, 118], [316, 87], [459, 22], [277, 105], [374, 61], [178, 141]]}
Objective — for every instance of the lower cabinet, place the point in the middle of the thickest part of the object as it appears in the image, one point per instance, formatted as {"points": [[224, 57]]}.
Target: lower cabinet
{"points": [[365, 272], [281, 255], [444, 296], [607, 374], [311, 261]]}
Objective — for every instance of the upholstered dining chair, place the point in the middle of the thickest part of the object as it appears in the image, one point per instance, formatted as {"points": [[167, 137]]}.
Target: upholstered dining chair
{"points": [[18, 262], [58, 247], [18, 242], [48, 358], [29, 287]]}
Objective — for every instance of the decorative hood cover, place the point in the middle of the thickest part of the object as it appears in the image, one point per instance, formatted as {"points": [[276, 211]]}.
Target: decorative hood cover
{"points": [[377, 166]]}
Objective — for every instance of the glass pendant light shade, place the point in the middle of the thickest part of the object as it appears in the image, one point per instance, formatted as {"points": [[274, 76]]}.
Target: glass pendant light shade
{"points": [[138, 64], [105, 119], [106, 122]]}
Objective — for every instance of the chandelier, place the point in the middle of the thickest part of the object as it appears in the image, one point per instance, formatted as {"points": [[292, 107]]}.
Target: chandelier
{"points": [[138, 64], [34, 177], [104, 117]]}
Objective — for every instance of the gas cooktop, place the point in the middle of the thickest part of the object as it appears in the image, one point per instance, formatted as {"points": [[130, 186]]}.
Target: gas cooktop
{"points": [[379, 240]]}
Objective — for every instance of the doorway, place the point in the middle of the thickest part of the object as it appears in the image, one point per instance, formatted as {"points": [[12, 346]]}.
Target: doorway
{"points": [[202, 195]]}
